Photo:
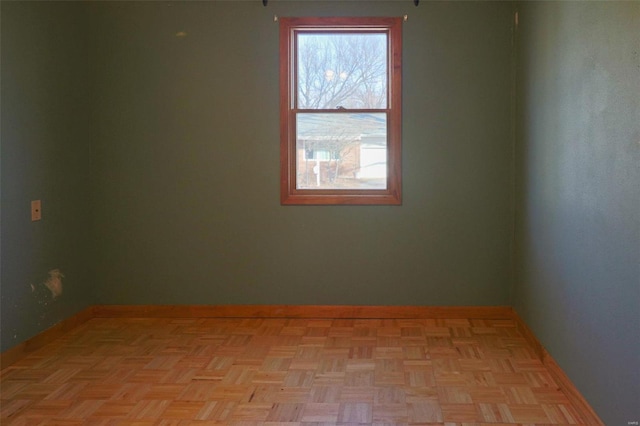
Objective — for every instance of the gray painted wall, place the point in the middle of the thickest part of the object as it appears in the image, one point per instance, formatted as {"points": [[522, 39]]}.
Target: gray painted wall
{"points": [[187, 153], [578, 221], [45, 155]]}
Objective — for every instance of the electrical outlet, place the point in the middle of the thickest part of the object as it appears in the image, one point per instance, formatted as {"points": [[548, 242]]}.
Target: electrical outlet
{"points": [[36, 210]]}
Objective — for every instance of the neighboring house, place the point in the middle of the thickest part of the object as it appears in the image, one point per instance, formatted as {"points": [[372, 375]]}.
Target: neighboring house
{"points": [[341, 151]]}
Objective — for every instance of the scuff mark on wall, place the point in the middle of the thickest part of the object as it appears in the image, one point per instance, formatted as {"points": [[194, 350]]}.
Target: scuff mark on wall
{"points": [[54, 282], [46, 294]]}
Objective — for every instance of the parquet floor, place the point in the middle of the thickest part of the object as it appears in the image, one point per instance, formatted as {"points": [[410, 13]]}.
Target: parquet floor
{"points": [[284, 372]]}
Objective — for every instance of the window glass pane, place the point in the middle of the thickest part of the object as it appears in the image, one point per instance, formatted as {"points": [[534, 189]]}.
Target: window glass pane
{"points": [[341, 150], [342, 70]]}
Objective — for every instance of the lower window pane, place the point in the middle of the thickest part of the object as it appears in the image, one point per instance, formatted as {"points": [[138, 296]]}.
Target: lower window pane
{"points": [[341, 150]]}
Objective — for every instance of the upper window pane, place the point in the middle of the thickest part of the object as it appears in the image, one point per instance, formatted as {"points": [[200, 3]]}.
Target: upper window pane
{"points": [[342, 70]]}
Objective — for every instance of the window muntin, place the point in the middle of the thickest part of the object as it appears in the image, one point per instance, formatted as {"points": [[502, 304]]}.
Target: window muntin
{"points": [[340, 110]]}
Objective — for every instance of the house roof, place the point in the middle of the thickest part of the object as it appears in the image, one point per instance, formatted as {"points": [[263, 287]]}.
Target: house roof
{"points": [[341, 126]]}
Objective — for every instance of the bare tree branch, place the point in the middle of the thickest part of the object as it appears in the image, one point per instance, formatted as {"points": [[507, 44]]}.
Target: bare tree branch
{"points": [[347, 70]]}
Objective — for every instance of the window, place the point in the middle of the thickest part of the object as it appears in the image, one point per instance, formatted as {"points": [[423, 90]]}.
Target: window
{"points": [[340, 110]]}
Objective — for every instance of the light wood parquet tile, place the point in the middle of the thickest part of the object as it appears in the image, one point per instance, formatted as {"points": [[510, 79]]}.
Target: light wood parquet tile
{"points": [[294, 372]]}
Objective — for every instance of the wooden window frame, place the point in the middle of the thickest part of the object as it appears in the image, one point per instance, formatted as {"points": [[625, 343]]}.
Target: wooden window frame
{"points": [[289, 193]]}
